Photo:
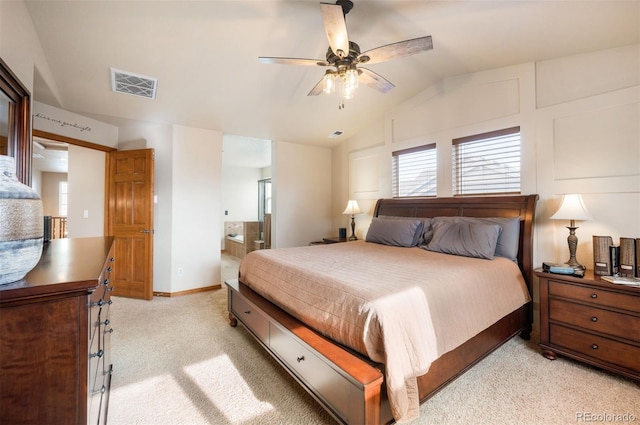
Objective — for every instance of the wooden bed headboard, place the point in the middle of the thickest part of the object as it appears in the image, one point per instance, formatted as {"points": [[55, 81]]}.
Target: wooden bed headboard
{"points": [[522, 206]]}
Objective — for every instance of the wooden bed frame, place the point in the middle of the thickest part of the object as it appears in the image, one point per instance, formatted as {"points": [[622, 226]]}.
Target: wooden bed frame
{"points": [[350, 386]]}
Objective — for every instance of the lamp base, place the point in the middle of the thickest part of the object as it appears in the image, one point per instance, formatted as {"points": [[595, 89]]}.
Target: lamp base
{"points": [[572, 241], [575, 265], [353, 236]]}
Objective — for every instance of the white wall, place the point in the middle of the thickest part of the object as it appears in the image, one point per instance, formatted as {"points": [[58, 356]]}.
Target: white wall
{"points": [[588, 141], [22, 56], [579, 118], [301, 184], [239, 195], [195, 235], [85, 204], [64, 123], [50, 192]]}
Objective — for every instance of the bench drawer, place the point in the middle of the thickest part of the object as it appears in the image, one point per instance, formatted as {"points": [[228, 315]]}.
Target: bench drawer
{"points": [[311, 368], [251, 316]]}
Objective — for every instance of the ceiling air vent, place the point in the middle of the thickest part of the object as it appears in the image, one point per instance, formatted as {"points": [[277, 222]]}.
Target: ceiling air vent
{"points": [[335, 134], [135, 84]]}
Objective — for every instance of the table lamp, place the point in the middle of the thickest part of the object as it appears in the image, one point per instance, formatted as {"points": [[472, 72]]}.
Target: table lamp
{"points": [[352, 208], [572, 208]]}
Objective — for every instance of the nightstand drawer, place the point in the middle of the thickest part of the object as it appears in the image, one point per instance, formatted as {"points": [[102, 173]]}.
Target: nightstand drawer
{"points": [[596, 319], [595, 296], [250, 316], [599, 348]]}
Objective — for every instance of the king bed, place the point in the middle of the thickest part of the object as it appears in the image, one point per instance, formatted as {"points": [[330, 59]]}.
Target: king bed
{"points": [[373, 328]]}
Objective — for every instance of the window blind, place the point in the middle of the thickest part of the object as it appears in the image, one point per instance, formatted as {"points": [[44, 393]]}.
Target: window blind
{"points": [[414, 171], [487, 163]]}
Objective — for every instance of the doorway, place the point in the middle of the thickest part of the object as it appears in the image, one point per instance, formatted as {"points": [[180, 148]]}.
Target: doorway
{"points": [[61, 162], [245, 162]]}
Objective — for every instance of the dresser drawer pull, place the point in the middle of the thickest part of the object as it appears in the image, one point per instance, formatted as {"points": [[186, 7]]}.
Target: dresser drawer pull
{"points": [[594, 346], [99, 354], [105, 282], [99, 303], [100, 391], [109, 269], [247, 312], [594, 296], [108, 331], [300, 359], [594, 319], [106, 322]]}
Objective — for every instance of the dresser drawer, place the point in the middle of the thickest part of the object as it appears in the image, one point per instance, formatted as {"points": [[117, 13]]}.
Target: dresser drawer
{"points": [[105, 339], [596, 319], [599, 348], [330, 385], [96, 374], [252, 317], [594, 296], [98, 355], [97, 399]]}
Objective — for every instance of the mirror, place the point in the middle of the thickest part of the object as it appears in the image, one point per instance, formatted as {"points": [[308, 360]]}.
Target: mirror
{"points": [[15, 128], [4, 124]]}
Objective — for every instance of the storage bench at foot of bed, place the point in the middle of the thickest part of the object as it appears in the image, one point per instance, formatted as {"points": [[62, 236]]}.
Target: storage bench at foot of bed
{"points": [[349, 387]]}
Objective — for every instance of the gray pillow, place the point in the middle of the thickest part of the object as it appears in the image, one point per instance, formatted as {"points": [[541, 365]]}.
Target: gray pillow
{"points": [[507, 245], [476, 240], [427, 232], [395, 231]]}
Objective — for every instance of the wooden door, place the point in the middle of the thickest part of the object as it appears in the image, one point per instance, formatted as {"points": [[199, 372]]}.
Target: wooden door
{"points": [[129, 197]]}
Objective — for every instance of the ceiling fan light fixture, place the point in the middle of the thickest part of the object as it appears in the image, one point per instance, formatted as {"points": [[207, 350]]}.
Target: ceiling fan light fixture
{"points": [[343, 56], [351, 78], [329, 81]]}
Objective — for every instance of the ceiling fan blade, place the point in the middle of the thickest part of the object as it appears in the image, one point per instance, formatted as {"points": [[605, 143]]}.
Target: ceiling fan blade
{"points": [[317, 89], [293, 61], [396, 50], [336, 28], [373, 80]]}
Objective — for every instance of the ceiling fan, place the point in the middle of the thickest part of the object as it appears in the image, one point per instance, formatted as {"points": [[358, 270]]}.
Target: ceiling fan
{"points": [[344, 56]]}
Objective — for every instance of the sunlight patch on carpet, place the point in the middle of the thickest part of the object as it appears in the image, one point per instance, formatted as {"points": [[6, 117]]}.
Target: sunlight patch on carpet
{"points": [[225, 387], [144, 407]]}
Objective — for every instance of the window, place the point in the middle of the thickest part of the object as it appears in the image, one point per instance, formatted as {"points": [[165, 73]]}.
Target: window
{"points": [[487, 163], [264, 208], [264, 198], [414, 171], [62, 199]]}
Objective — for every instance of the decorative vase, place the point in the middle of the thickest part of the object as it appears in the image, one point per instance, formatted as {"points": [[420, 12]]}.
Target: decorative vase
{"points": [[21, 224]]}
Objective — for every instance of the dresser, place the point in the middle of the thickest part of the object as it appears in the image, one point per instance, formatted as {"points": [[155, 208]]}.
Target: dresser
{"points": [[590, 320], [55, 365]]}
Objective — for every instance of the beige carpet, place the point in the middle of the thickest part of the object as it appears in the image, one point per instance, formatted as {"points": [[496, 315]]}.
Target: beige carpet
{"points": [[177, 361]]}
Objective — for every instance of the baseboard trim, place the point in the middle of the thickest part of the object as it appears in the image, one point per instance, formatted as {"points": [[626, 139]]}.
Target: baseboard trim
{"points": [[187, 292]]}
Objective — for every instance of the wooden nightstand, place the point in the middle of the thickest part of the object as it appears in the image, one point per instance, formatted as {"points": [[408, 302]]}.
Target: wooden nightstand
{"points": [[590, 320], [335, 240]]}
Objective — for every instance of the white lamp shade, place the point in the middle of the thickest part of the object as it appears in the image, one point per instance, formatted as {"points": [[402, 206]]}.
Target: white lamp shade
{"points": [[352, 207], [572, 208]]}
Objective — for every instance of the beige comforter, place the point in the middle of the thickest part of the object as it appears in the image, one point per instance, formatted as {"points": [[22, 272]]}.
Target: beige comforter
{"points": [[403, 307]]}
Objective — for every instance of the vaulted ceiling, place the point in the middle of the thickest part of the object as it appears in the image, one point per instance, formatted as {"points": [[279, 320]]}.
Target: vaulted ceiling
{"points": [[205, 55]]}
